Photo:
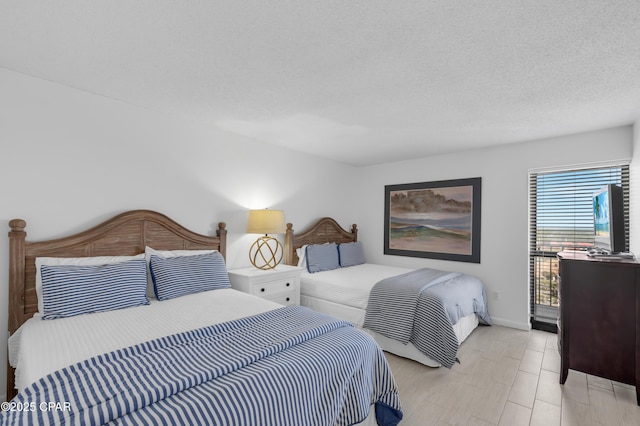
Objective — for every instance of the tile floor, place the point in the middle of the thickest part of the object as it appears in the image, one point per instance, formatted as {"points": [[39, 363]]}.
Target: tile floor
{"points": [[510, 377]]}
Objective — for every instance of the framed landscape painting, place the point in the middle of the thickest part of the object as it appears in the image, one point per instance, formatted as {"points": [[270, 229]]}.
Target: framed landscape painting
{"points": [[438, 220]]}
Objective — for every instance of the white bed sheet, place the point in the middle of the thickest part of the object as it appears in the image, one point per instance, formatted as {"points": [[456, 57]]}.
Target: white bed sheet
{"points": [[347, 286], [40, 347]]}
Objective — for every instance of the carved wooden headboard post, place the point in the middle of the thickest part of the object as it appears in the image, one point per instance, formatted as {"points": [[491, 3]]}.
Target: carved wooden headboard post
{"points": [[17, 237], [221, 233], [15, 298], [288, 243], [354, 231]]}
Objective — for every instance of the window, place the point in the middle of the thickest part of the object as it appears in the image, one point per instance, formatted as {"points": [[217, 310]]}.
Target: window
{"points": [[561, 217]]}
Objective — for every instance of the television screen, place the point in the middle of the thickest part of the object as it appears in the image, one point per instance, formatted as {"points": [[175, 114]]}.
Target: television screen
{"points": [[601, 215], [608, 219]]}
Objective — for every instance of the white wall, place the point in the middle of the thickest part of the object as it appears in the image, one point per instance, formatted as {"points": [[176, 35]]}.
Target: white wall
{"points": [[504, 173], [71, 160]]}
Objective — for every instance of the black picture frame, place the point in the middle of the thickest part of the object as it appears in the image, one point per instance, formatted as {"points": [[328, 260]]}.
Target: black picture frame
{"points": [[436, 220]]}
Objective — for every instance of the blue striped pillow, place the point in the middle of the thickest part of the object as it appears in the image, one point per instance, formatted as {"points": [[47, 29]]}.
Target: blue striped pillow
{"points": [[178, 276], [350, 254], [322, 257], [69, 290]]}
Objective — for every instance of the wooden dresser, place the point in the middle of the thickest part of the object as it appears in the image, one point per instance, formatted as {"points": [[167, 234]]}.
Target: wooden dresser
{"points": [[599, 317]]}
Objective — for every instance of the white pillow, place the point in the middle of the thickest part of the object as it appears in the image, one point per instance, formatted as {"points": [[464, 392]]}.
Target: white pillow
{"points": [[77, 261], [302, 261], [148, 251]]}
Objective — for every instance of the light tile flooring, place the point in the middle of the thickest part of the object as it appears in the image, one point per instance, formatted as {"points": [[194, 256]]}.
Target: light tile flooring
{"points": [[510, 377]]}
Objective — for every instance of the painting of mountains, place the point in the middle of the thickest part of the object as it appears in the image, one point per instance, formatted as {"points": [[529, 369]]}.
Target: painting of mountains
{"points": [[434, 219]]}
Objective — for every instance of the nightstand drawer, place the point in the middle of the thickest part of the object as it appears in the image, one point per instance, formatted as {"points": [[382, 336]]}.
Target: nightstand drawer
{"points": [[270, 288], [286, 298]]}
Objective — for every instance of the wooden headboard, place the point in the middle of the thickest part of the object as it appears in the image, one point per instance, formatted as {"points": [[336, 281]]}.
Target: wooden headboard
{"points": [[325, 230], [126, 234]]}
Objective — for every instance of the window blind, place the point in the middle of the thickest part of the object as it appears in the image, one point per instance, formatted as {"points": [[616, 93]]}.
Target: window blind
{"points": [[561, 217]]}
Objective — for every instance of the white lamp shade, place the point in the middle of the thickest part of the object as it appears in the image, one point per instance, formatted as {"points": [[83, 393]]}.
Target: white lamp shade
{"points": [[266, 222]]}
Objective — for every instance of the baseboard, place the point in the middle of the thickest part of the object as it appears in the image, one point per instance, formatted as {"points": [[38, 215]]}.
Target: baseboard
{"points": [[511, 324]]}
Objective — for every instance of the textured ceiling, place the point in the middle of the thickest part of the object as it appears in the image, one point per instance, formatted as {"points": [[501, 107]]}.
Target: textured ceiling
{"points": [[361, 82]]}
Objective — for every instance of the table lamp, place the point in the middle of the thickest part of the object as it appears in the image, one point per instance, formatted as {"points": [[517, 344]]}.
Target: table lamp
{"points": [[266, 252]]}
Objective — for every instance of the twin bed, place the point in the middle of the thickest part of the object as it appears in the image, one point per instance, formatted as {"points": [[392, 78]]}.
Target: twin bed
{"points": [[88, 336], [345, 292]]}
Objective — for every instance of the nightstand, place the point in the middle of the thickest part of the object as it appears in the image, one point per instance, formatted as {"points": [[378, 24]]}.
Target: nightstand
{"points": [[280, 285]]}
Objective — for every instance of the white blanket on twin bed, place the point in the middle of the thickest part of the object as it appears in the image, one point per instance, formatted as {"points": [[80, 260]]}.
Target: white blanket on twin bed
{"points": [[40, 347], [347, 286]]}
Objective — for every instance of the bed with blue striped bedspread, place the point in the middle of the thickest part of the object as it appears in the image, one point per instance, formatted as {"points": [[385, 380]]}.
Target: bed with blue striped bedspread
{"points": [[289, 366]]}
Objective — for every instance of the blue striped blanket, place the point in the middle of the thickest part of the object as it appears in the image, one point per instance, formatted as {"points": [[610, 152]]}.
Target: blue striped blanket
{"points": [[289, 366], [422, 306]]}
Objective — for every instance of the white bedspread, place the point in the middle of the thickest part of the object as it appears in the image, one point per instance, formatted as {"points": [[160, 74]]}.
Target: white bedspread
{"points": [[40, 347], [348, 286]]}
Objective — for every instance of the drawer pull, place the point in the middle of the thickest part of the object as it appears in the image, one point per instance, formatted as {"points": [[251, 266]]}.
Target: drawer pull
{"points": [[262, 290], [288, 284], [288, 299]]}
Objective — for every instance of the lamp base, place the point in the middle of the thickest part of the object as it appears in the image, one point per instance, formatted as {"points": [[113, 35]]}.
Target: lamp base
{"points": [[266, 253]]}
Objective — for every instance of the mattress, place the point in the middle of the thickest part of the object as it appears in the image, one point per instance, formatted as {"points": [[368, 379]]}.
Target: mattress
{"points": [[73, 339]]}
